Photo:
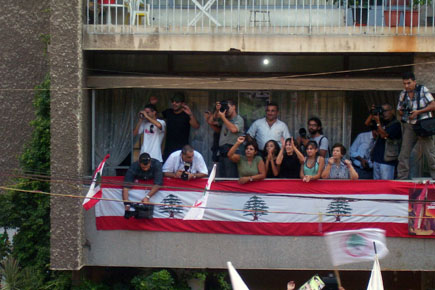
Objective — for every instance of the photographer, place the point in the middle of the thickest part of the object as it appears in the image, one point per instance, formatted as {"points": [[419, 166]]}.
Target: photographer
{"points": [[230, 126], [387, 145], [144, 169], [415, 105], [186, 164], [153, 131]]}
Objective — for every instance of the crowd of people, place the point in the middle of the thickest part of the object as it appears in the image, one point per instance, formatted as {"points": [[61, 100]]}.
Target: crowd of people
{"points": [[267, 150]]}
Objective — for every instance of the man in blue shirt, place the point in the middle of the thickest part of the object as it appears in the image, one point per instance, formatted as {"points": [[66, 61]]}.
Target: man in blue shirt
{"points": [[145, 168], [360, 153]]}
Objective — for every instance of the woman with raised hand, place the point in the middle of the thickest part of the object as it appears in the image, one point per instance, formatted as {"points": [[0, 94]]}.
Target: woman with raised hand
{"points": [[337, 167], [313, 163], [289, 159], [250, 166], [270, 153]]}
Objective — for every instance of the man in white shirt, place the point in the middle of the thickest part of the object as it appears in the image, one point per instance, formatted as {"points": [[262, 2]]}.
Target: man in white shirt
{"points": [[269, 128], [186, 164], [153, 131], [360, 154]]}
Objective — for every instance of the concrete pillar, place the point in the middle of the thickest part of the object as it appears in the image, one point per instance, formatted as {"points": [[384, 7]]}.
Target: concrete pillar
{"points": [[69, 133]]}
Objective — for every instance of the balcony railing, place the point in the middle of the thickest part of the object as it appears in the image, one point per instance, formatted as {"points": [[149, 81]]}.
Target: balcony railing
{"points": [[303, 17]]}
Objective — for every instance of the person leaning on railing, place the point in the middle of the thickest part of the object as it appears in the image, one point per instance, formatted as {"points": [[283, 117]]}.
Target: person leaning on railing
{"points": [[250, 166], [337, 167]]}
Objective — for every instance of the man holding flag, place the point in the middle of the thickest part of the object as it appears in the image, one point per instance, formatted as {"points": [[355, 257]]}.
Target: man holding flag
{"points": [[145, 168]]}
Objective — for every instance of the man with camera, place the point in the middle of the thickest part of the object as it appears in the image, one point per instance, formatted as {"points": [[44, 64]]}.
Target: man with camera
{"points": [[387, 145], [230, 126], [153, 131], [416, 104], [179, 119], [186, 164], [144, 169], [269, 127]]}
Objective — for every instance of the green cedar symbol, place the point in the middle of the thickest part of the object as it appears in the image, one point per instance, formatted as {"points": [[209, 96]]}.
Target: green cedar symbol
{"points": [[339, 207], [170, 207], [257, 206]]}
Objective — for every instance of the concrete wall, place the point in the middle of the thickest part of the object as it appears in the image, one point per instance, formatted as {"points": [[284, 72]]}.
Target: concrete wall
{"points": [[23, 65], [189, 250], [69, 133], [425, 73]]}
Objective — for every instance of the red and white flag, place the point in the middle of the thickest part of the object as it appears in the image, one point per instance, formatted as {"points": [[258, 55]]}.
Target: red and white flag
{"points": [[356, 246], [197, 211], [95, 189]]}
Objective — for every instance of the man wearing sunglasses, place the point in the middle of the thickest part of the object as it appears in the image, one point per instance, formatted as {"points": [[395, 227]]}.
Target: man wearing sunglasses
{"points": [[153, 131]]}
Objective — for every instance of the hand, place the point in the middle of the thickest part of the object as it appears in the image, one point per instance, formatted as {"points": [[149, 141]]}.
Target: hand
{"points": [[291, 285], [347, 163], [187, 110], [240, 140], [178, 173], [413, 115], [153, 100], [146, 200], [190, 176], [127, 208], [364, 163], [331, 161], [292, 141], [306, 178], [283, 146], [243, 180], [376, 118], [145, 115], [221, 114]]}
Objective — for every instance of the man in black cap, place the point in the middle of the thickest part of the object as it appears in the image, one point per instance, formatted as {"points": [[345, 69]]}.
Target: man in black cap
{"points": [[179, 119], [146, 168]]}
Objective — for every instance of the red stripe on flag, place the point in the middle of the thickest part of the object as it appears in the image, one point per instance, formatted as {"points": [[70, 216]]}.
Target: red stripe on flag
{"points": [[93, 200], [243, 228]]}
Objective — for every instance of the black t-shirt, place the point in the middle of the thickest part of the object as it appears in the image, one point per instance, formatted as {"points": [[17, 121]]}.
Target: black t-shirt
{"points": [[394, 131], [290, 167], [178, 130]]}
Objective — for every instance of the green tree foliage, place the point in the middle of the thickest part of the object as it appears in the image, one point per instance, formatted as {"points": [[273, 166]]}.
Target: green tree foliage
{"points": [[161, 280], [29, 213]]}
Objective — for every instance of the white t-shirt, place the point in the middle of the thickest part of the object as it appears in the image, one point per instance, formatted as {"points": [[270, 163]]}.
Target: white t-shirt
{"points": [[175, 163], [152, 139]]}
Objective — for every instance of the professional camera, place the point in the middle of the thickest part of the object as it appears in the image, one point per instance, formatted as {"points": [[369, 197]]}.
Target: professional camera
{"points": [[407, 110], [377, 110], [185, 174], [224, 106], [141, 211]]}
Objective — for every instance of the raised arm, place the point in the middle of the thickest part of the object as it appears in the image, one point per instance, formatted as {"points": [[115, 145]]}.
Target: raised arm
{"points": [[232, 153]]}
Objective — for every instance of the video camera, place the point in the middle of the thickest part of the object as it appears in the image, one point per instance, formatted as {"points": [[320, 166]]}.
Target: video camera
{"points": [[185, 174], [141, 211]]}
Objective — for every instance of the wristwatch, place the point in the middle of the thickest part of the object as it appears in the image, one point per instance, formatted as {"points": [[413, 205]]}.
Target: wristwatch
{"points": [[148, 196], [250, 179]]}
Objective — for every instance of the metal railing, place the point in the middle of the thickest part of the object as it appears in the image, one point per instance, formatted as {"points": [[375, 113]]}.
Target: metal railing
{"points": [[305, 17]]}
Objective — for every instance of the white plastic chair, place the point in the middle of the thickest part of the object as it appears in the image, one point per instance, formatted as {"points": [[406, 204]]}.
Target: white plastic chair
{"points": [[139, 9], [107, 5]]}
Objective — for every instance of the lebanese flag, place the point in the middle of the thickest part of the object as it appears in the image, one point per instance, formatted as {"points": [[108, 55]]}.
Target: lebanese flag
{"points": [[356, 245], [197, 211], [95, 192]]}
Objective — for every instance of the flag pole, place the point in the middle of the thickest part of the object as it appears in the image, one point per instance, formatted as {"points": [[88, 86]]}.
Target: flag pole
{"points": [[337, 276]]}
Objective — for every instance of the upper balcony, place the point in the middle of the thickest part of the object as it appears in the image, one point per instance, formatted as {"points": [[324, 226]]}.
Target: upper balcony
{"points": [[287, 25]]}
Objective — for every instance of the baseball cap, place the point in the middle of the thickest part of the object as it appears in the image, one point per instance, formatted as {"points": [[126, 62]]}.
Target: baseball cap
{"points": [[144, 158]]}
